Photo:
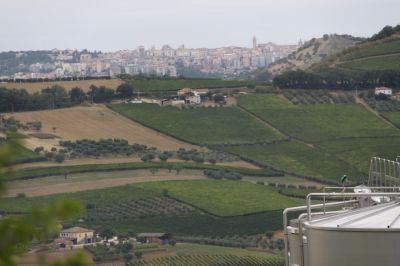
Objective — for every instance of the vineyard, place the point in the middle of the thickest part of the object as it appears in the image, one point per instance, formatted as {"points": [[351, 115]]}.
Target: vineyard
{"points": [[138, 209], [207, 260], [211, 126], [382, 105], [317, 97], [240, 241]]}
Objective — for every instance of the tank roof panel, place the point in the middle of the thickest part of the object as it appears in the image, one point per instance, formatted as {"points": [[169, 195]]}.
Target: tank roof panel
{"points": [[379, 217]]}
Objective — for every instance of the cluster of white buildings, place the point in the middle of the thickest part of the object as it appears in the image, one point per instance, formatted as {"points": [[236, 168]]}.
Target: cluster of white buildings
{"points": [[166, 61]]}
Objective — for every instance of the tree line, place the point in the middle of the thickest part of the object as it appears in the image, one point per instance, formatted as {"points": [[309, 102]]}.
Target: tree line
{"points": [[15, 100], [334, 79]]}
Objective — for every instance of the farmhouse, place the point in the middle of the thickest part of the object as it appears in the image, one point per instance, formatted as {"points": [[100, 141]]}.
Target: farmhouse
{"points": [[184, 91], [383, 90], [194, 99], [159, 238], [76, 235]]}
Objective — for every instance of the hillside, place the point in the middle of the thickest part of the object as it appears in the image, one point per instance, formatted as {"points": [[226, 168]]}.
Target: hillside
{"points": [[382, 54], [310, 53], [373, 62]]}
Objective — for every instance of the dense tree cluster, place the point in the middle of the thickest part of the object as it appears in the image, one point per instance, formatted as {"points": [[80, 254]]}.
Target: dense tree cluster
{"points": [[14, 100], [387, 31], [334, 79], [220, 174]]}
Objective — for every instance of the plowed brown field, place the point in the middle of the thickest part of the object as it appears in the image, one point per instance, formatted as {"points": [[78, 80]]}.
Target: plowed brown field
{"points": [[95, 122]]}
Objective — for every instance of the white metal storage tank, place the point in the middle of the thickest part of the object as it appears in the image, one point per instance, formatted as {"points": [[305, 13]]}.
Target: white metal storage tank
{"points": [[364, 231], [361, 237]]}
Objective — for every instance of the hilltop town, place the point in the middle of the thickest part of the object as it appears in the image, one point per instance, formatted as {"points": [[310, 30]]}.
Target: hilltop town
{"points": [[223, 62]]}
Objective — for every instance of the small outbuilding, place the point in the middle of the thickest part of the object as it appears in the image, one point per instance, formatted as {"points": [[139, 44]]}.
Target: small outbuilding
{"points": [[383, 90], [158, 238], [77, 235]]}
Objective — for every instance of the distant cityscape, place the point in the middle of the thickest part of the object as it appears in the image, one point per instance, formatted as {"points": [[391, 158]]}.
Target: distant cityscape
{"points": [[223, 62]]}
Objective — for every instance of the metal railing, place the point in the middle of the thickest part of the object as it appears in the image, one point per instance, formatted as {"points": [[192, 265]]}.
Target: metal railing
{"points": [[344, 195]]}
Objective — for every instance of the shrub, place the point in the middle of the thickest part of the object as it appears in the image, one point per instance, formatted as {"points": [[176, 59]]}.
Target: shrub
{"points": [[21, 195], [59, 157]]}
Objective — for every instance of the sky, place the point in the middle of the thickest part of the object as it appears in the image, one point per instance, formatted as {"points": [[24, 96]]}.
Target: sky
{"points": [[110, 25]]}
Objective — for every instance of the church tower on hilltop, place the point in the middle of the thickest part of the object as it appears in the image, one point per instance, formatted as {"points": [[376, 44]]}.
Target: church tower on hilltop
{"points": [[254, 42]]}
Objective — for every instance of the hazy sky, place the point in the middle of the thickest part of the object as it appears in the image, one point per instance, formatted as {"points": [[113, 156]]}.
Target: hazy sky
{"points": [[124, 24]]}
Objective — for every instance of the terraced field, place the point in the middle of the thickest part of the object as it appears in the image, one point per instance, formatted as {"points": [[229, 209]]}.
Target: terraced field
{"points": [[200, 125]]}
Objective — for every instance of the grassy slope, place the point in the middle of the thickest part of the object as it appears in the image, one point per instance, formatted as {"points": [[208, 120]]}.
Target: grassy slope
{"points": [[224, 198], [21, 154], [299, 158], [200, 125], [317, 122], [170, 85]]}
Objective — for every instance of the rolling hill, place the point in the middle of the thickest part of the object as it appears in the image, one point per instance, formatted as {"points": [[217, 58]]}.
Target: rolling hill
{"points": [[311, 52]]}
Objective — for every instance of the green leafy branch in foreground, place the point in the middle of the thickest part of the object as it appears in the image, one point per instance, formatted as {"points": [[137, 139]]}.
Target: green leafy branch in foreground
{"points": [[18, 232]]}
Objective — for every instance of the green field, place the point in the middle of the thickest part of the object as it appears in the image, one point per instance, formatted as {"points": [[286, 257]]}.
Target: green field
{"points": [[22, 154], [223, 197], [220, 197], [358, 152], [200, 125], [297, 157], [385, 62], [144, 85], [393, 117], [317, 122]]}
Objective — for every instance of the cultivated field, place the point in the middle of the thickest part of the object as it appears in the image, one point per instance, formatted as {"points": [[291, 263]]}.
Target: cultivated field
{"points": [[96, 122], [297, 157], [93, 181], [223, 197], [33, 87], [317, 122], [115, 206], [383, 62], [201, 125], [358, 152], [176, 84], [393, 117]]}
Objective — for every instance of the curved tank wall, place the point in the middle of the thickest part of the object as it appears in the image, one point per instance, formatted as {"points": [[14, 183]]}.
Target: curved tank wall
{"points": [[362, 237], [352, 248]]}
